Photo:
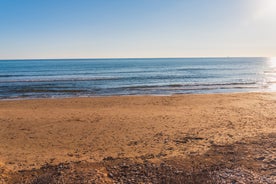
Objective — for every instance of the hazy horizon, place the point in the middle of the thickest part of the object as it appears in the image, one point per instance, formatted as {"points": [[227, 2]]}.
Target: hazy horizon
{"points": [[67, 29], [107, 58]]}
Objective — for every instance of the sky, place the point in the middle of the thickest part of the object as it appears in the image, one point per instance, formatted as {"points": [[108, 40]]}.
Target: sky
{"points": [[137, 28]]}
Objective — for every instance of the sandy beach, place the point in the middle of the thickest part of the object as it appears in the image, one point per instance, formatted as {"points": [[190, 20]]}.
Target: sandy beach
{"points": [[136, 139]]}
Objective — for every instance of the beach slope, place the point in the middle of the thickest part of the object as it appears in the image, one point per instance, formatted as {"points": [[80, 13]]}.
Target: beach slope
{"points": [[196, 138]]}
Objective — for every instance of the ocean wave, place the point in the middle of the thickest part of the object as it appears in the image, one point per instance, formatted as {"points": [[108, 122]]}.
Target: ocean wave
{"points": [[49, 91], [62, 79], [158, 77], [184, 90], [271, 71], [10, 75], [196, 69], [233, 84]]}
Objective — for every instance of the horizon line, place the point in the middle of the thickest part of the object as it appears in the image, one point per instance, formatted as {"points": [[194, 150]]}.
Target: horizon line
{"points": [[193, 57]]}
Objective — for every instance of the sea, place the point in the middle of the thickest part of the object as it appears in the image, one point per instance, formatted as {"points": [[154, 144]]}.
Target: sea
{"points": [[61, 78]]}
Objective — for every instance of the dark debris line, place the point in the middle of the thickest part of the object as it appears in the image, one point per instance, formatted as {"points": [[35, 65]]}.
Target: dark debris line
{"points": [[248, 161]]}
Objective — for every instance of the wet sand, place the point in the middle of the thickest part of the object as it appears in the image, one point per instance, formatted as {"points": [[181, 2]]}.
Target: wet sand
{"points": [[131, 139]]}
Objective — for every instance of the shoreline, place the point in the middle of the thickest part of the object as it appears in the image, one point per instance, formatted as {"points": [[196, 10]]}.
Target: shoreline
{"points": [[99, 133], [137, 95]]}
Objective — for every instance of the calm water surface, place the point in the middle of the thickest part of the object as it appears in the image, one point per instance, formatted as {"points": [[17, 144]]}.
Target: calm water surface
{"points": [[104, 77]]}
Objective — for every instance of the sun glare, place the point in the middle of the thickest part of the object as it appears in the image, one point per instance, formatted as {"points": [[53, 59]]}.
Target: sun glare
{"points": [[272, 62], [271, 74], [267, 9]]}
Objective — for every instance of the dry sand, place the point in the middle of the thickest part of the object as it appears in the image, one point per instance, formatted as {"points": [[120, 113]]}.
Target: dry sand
{"points": [[107, 139]]}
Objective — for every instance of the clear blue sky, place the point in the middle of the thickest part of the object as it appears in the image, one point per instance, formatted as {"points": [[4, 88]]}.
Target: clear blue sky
{"points": [[136, 28]]}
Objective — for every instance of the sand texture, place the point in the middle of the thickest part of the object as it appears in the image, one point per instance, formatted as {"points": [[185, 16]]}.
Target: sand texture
{"points": [[210, 138]]}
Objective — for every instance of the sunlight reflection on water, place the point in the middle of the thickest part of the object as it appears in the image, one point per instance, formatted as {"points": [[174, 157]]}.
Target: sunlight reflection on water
{"points": [[271, 74]]}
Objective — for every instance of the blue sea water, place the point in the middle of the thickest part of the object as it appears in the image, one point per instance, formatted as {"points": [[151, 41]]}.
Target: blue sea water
{"points": [[106, 77]]}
